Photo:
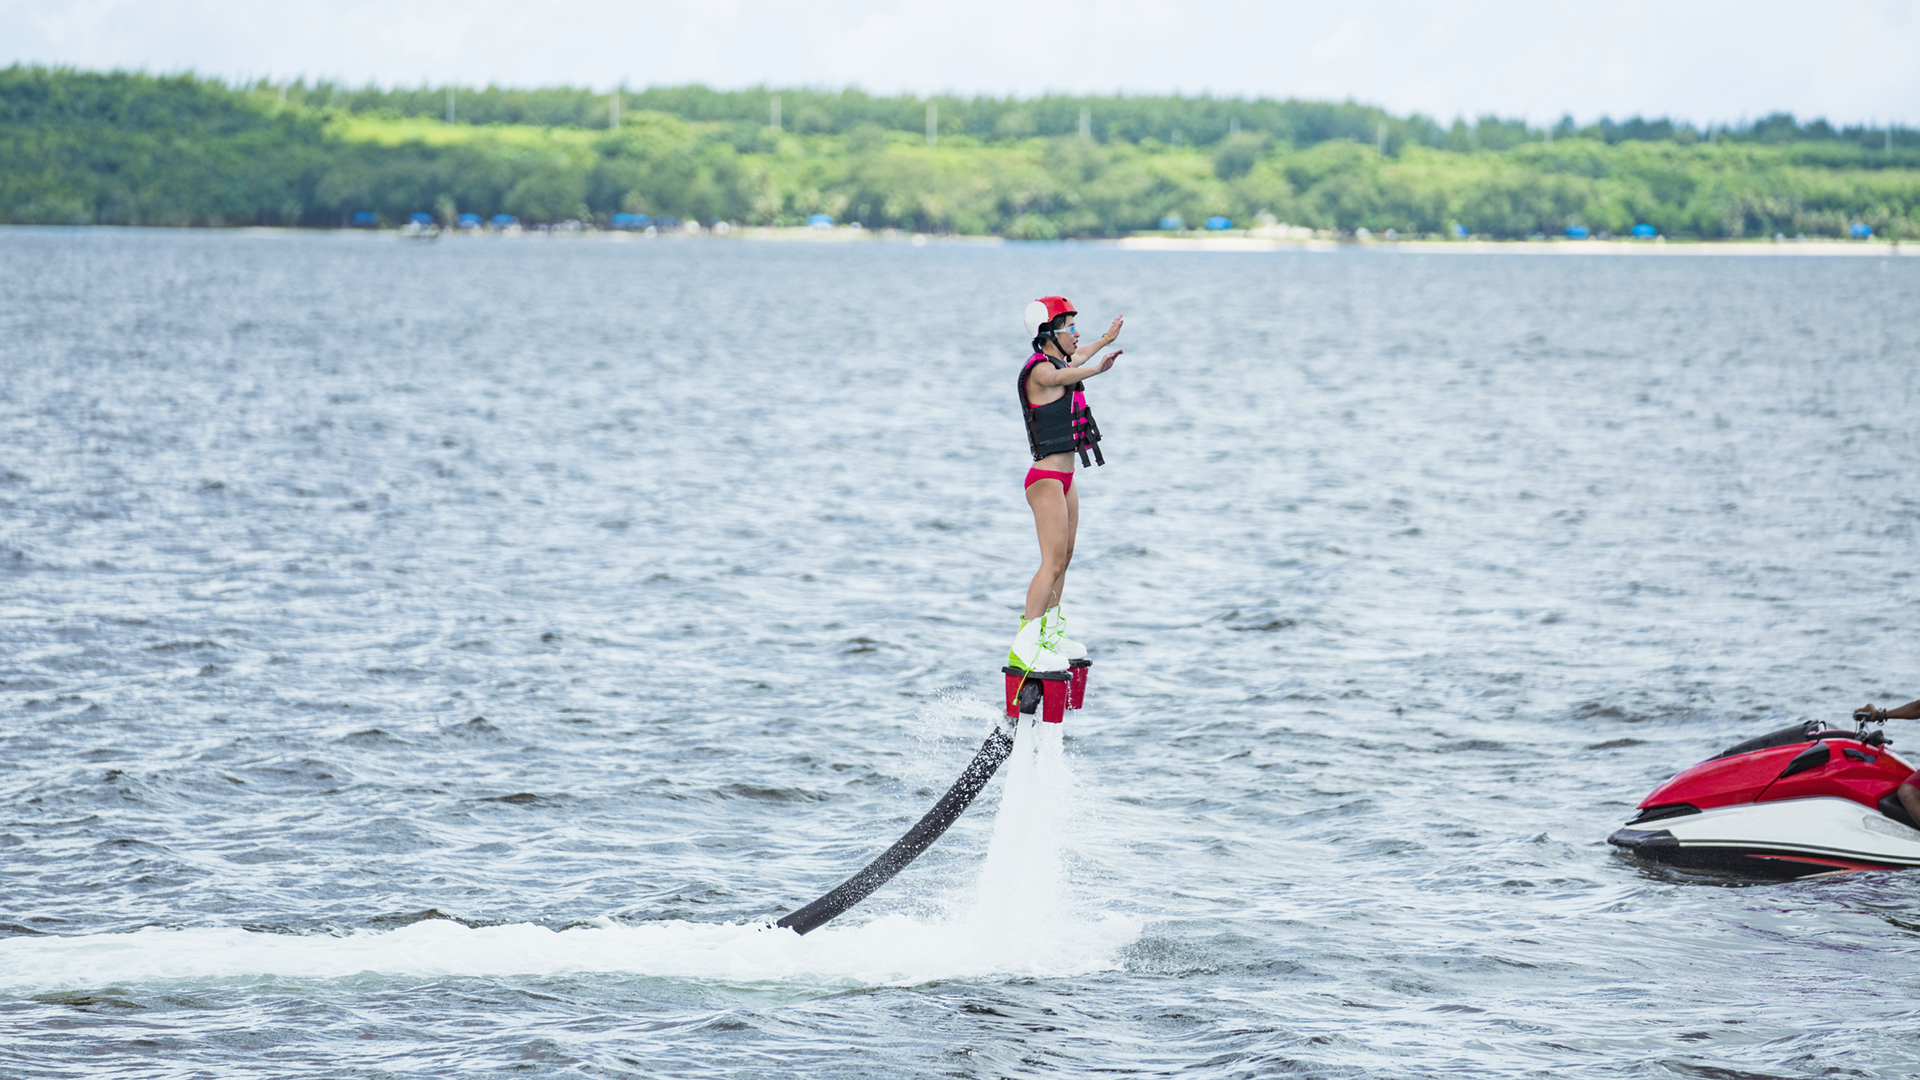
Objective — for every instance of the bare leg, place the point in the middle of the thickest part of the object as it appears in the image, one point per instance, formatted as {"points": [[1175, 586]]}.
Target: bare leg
{"points": [[1057, 517], [1073, 533], [1910, 798]]}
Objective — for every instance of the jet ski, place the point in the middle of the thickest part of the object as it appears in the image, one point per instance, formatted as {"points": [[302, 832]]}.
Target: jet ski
{"points": [[1798, 801]]}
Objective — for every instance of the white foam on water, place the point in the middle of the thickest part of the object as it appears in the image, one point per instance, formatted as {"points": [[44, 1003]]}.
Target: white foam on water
{"points": [[1022, 923], [892, 950]]}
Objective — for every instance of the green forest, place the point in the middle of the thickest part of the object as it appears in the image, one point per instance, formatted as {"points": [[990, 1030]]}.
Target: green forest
{"points": [[127, 148]]}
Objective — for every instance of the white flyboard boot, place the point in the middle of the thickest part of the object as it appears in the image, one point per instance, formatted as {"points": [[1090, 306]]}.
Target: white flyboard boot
{"points": [[1053, 635], [1031, 652]]}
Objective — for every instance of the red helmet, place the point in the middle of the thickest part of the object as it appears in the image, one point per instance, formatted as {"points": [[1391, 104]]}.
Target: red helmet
{"points": [[1045, 310]]}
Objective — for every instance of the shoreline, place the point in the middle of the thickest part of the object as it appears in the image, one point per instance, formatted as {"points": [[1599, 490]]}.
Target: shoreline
{"points": [[1249, 244], [1217, 245]]}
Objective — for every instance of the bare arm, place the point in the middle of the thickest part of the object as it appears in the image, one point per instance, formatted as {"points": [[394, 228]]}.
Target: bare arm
{"points": [[1909, 711], [1053, 376], [1089, 348]]}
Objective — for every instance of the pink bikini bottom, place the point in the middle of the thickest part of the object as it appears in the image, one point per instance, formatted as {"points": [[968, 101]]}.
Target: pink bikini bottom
{"points": [[1065, 478]]}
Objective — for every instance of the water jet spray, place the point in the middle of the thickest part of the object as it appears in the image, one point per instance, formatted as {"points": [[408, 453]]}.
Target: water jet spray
{"points": [[1051, 693]]}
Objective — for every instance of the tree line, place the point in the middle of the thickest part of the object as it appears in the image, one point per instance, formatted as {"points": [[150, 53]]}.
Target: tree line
{"points": [[1202, 121], [130, 148]]}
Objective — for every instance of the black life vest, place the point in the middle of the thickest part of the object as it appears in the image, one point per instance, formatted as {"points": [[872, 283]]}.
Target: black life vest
{"points": [[1061, 426]]}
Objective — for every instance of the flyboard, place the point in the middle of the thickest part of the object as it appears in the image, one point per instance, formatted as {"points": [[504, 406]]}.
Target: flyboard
{"points": [[1050, 693]]}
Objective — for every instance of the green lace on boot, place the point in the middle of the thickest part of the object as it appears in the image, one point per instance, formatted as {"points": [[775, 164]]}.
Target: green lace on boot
{"points": [[1053, 635]]}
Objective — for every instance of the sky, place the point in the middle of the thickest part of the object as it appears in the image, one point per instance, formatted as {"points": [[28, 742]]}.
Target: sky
{"points": [[1704, 61]]}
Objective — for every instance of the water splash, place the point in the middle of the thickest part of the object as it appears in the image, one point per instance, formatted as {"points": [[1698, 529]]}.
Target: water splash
{"points": [[1022, 872]]}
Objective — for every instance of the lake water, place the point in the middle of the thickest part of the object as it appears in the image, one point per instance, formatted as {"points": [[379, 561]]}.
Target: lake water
{"points": [[427, 659]]}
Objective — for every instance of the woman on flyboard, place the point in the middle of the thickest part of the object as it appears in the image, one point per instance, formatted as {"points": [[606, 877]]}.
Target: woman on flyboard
{"points": [[1059, 427]]}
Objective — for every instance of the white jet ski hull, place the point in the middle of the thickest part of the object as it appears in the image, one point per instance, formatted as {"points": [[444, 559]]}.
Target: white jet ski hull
{"points": [[1788, 838]]}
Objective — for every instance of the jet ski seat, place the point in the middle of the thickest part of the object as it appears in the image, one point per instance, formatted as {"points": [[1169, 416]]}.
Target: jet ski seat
{"points": [[1891, 806]]}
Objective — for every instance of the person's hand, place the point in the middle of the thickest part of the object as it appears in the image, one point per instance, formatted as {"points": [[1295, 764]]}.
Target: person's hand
{"points": [[1114, 330], [1107, 360], [1871, 712]]}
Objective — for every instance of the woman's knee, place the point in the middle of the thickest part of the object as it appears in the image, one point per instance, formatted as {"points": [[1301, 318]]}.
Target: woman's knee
{"points": [[1057, 548]]}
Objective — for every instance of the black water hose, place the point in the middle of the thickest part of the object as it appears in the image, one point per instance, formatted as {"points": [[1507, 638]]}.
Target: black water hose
{"points": [[918, 839]]}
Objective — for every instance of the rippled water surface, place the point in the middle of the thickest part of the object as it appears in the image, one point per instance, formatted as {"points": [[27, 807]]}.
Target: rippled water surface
{"points": [[442, 659]]}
